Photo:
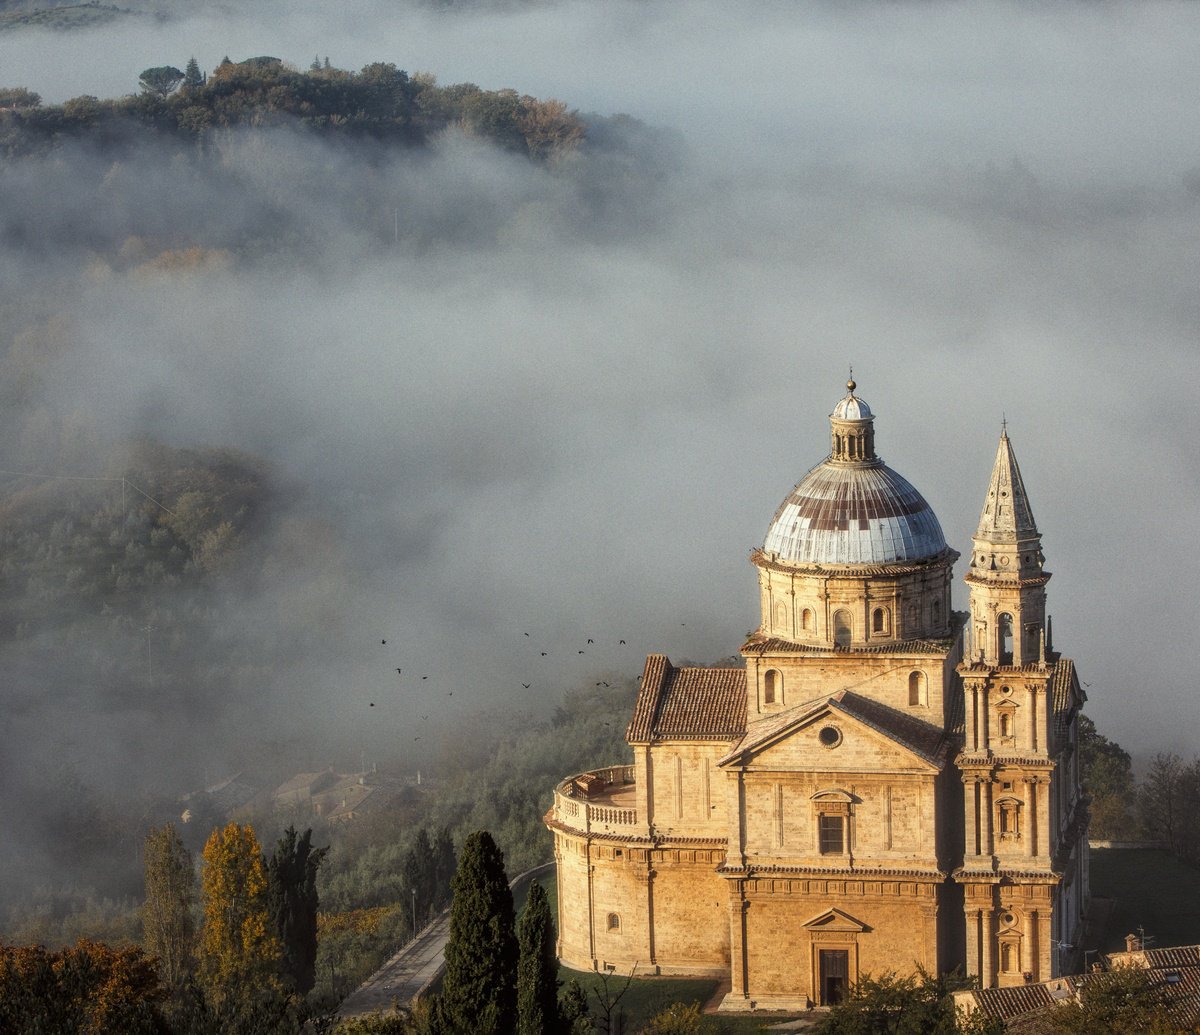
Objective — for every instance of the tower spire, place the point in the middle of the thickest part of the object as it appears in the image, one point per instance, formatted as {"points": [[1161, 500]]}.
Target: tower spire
{"points": [[1007, 516]]}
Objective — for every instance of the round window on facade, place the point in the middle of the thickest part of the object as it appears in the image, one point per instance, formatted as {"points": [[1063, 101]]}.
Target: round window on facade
{"points": [[830, 736]]}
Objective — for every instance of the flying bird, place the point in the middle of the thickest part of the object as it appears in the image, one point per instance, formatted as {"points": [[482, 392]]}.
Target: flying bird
{"points": [[591, 641], [398, 671], [527, 634], [383, 641], [620, 641], [372, 704], [543, 654], [424, 677], [581, 652], [526, 685]]}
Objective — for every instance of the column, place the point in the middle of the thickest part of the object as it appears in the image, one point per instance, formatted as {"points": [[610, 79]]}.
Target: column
{"points": [[989, 846], [986, 974], [972, 919], [1033, 718], [970, 825], [983, 726], [1029, 960], [1030, 831], [971, 694]]}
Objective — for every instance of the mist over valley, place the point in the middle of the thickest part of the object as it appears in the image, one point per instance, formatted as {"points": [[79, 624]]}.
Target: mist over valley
{"points": [[418, 381]]}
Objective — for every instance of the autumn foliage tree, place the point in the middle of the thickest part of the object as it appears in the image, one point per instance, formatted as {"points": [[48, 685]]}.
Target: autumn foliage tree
{"points": [[89, 989], [240, 948]]}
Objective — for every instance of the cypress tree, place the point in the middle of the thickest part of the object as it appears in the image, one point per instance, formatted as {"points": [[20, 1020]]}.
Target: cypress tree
{"points": [[292, 901], [480, 988], [537, 970]]}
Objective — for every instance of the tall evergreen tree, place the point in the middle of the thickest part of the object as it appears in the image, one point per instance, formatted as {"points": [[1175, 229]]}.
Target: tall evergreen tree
{"points": [[480, 988], [537, 969], [292, 902], [193, 78], [445, 863], [168, 930]]}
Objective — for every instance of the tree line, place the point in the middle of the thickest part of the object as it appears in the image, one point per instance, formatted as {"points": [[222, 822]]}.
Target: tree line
{"points": [[380, 102], [1163, 806]]}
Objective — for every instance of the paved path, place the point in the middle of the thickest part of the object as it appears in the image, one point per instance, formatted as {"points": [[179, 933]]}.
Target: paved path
{"points": [[414, 968], [404, 976]]}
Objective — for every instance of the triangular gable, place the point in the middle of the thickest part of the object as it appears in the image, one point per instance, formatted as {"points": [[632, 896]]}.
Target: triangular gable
{"points": [[917, 742], [836, 920]]}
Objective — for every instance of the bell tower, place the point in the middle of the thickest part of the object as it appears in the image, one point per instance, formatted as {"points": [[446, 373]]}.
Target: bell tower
{"points": [[1024, 872]]}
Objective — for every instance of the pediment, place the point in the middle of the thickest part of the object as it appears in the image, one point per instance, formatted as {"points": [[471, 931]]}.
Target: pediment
{"points": [[836, 920], [832, 735]]}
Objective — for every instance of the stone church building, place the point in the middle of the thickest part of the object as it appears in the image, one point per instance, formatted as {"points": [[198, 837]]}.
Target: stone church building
{"points": [[883, 783]]}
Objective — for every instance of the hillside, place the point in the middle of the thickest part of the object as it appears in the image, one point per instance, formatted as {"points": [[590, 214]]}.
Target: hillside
{"points": [[380, 103]]}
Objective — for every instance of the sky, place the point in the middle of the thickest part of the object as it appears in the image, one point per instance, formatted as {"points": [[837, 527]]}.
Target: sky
{"points": [[567, 402]]}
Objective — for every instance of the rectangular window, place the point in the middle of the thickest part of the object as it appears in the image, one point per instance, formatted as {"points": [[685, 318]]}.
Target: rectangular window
{"points": [[831, 834]]}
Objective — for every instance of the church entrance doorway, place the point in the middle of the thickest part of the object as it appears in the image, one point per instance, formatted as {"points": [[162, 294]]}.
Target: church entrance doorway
{"points": [[835, 969]]}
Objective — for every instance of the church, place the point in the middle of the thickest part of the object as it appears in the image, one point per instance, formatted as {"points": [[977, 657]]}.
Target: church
{"points": [[883, 783]]}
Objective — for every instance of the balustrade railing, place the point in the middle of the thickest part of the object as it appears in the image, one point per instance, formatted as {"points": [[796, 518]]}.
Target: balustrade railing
{"points": [[572, 808]]}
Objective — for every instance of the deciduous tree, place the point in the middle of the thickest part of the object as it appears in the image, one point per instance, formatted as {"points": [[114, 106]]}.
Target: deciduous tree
{"points": [[479, 993], [240, 947], [168, 929], [537, 968]]}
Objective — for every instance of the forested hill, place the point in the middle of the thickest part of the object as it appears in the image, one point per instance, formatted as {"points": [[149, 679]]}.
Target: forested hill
{"points": [[378, 103]]}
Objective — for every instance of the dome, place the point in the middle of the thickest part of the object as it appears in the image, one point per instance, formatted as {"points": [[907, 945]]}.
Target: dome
{"points": [[853, 508], [842, 514], [852, 408]]}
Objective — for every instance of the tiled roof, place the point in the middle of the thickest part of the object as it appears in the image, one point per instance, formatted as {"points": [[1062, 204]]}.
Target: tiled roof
{"points": [[1064, 685], [1005, 1003], [922, 738], [1176, 956], [1173, 972], [771, 644], [688, 703]]}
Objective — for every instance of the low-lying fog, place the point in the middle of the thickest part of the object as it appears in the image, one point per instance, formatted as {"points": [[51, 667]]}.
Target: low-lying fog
{"points": [[566, 401]]}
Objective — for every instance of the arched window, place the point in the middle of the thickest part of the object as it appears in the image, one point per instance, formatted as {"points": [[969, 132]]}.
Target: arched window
{"points": [[937, 613], [842, 628], [879, 620], [772, 687], [806, 619], [1006, 723], [916, 688], [1007, 961], [1006, 639], [614, 922]]}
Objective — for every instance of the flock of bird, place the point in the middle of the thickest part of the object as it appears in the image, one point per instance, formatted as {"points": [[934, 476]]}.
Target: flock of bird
{"points": [[526, 686]]}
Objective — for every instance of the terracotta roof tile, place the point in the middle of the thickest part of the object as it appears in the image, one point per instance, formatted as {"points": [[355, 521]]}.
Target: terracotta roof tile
{"points": [[688, 703], [1064, 686]]}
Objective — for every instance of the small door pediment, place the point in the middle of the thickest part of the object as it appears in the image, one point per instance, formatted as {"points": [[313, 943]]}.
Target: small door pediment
{"points": [[836, 920]]}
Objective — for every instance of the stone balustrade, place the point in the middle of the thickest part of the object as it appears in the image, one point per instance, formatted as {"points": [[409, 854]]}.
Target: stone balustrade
{"points": [[604, 811]]}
